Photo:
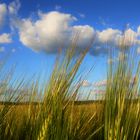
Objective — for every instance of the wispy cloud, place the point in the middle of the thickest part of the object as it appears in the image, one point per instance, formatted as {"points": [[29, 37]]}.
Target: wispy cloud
{"points": [[82, 15], [104, 22], [57, 7], [85, 83], [100, 83], [13, 7], [3, 13], [5, 38]]}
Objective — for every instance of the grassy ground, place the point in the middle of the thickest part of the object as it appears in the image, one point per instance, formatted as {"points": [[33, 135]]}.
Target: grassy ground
{"points": [[56, 116]]}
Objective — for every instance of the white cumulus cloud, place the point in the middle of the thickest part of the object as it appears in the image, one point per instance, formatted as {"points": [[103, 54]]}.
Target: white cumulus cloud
{"points": [[108, 36], [55, 30], [51, 31], [4, 37]]}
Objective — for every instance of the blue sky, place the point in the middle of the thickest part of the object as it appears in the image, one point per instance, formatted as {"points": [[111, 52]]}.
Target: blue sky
{"points": [[115, 13], [33, 31]]}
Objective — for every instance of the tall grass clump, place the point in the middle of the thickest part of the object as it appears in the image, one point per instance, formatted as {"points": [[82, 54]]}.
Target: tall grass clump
{"points": [[122, 102], [54, 116], [50, 112]]}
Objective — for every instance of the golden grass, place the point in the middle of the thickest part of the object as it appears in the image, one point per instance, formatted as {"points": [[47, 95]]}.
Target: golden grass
{"points": [[58, 117]]}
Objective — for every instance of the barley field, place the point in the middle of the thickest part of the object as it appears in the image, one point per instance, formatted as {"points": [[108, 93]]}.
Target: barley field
{"points": [[53, 111]]}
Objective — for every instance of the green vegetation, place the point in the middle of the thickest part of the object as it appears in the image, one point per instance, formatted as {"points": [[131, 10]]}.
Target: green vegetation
{"points": [[55, 116]]}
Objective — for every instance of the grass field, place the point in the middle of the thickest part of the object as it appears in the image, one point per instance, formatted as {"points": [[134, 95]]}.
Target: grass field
{"points": [[56, 116]]}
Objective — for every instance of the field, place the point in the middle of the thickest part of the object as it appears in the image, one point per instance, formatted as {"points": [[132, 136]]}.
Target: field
{"points": [[52, 111]]}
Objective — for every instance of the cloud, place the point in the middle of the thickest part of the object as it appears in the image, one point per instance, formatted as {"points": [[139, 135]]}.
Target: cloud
{"points": [[57, 7], [100, 83], [82, 15], [103, 83], [85, 83], [114, 38], [13, 7], [48, 33], [129, 38], [98, 92], [108, 36], [5, 38], [54, 30], [102, 21], [3, 13], [86, 35]]}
